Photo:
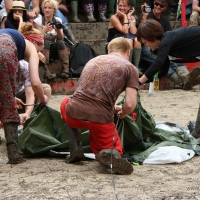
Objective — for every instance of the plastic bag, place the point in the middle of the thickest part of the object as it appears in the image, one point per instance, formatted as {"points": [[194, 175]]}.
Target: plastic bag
{"points": [[169, 154]]}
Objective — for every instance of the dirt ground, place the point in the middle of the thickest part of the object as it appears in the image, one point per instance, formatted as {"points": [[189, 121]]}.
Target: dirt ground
{"points": [[52, 178]]}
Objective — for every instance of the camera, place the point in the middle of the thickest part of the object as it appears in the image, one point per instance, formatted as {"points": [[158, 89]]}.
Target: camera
{"points": [[57, 24], [146, 9], [68, 38]]}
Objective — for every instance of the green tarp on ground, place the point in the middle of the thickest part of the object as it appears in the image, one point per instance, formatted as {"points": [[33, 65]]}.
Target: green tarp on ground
{"points": [[45, 131]]}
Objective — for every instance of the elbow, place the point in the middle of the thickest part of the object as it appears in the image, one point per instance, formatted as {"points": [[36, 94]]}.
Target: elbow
{"points": [[35, 84], [130, 107]]}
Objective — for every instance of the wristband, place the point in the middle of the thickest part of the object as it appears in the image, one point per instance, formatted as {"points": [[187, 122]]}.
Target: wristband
{"points": [[139, 82], [131, 21], [126, 22]]}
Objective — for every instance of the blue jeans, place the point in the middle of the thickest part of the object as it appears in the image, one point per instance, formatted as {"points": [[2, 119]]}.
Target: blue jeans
{"points": [[148, 57], [61, 16]]}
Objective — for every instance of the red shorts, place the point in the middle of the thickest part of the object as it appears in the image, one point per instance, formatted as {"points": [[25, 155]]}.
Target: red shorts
{"points": [[101, 135]]}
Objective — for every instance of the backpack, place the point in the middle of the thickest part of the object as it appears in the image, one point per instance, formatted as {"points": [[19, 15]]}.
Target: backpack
{"points": [[79, 55]]}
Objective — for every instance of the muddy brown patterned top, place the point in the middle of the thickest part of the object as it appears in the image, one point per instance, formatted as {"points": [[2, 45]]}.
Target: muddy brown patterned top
{"points": [[103, 79]]}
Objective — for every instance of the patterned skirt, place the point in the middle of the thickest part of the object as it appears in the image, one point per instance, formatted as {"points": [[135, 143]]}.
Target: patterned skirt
{"points": [[8, 67]]}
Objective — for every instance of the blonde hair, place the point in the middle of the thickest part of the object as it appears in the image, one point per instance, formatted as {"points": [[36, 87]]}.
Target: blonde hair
{"points": [[54, 3], [120, 45], [27, 28]]}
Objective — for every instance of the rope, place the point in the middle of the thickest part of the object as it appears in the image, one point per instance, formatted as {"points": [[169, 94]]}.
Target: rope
{"points": [[111, 160]]}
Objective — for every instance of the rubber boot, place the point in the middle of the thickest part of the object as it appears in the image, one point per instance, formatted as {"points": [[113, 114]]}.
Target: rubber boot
{"points": [[196, 132], [188, 77], [102, 8], [11, 135], [64, 59], [111, 8], [75, 145], [47, 73], [135, 58], [178, 82], [89, 9], [119, 165], [68, 33], [74, 9]]}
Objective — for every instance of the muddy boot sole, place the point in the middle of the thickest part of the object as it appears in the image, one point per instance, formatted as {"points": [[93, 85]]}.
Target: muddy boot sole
{"points": [[76, 156], [119, 165], [189, 80]]}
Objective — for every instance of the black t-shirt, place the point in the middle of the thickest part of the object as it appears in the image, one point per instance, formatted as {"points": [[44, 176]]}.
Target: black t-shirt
{"points": [[163, 21]]}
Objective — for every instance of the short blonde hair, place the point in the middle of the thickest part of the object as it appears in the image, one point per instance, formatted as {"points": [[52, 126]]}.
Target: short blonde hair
{"points": [[54, 3], [119, 44]]}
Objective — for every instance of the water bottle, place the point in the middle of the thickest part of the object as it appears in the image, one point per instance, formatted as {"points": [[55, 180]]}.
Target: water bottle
{"points": [[156, 83]]}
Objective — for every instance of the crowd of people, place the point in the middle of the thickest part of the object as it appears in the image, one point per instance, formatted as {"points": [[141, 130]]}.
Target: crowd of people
{"points": [[137, 48]]}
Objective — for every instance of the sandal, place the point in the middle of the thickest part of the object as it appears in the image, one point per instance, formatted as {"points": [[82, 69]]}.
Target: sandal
{"points": [[64, 75]]}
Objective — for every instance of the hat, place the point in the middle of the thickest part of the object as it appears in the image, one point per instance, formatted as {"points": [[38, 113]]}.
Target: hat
{"points": [[18, 5]]}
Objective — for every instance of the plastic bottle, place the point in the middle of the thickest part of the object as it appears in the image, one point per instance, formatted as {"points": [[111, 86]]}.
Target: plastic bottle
{"points": [[156, 83]]}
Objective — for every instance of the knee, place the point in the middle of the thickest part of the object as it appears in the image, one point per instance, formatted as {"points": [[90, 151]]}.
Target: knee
{"points": [[60, 44], [137, 44]]}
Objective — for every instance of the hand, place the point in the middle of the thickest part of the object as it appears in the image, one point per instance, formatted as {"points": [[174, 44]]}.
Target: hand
{"points": [[19, 103], [32, 14], [45, 101], [144, 14], [17, 17], [42, 57], [120, 14], [48, 28], [118, 110], [130, 13], [23, 118]]}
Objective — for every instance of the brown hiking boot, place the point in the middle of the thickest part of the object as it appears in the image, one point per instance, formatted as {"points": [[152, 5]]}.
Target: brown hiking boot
{"points": [[119, 165], [190, 78]]}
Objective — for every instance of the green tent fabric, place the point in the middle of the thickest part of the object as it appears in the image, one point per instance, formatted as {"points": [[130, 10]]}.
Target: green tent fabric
{"points": [[166, 134], [140, 136], [45, 131]]}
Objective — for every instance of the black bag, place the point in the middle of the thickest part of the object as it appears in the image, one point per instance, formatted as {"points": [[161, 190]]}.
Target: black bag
{"points": [[80, 54]]}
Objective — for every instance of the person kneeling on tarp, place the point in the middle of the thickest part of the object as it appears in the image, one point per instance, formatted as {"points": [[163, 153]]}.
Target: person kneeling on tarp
{"points": [[92, 107]]}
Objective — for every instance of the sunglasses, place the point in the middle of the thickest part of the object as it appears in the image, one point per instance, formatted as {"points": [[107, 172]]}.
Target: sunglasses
{"points": [[19, 11], [159, 4]]}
